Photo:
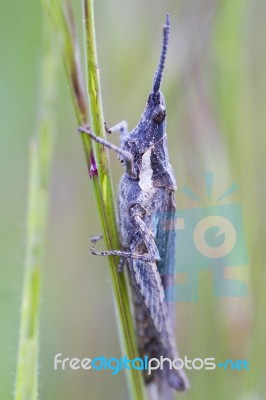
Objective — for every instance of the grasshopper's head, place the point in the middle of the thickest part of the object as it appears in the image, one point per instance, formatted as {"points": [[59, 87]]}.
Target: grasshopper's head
{"points": [[151, 127], [147, 142]]}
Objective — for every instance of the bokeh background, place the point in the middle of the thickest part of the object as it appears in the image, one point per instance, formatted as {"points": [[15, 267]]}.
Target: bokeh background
{"points": [[214, 85]]}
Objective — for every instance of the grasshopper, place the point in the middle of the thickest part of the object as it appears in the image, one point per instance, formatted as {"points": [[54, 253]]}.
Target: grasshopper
{"points": [[146, 201]]}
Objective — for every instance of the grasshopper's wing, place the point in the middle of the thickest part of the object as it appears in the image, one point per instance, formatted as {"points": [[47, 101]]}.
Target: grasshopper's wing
{"points": [[165, 239], [154, 328]]}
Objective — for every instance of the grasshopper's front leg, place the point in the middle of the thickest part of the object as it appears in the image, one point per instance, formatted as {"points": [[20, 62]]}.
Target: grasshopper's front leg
{"points": [[127, 157], [121, 127]]}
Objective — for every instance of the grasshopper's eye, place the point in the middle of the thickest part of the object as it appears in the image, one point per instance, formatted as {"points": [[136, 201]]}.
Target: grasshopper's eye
{"points": [[159, 114]]}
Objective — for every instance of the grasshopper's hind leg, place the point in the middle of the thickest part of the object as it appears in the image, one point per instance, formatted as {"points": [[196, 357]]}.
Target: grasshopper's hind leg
{"points": [[94, 240], [150, 256]]}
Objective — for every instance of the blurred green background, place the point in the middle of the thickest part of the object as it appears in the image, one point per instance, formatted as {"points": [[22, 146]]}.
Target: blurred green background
{"points": [[214, 85]]}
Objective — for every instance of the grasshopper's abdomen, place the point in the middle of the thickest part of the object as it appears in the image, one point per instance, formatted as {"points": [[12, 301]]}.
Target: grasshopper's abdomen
{"points": [[154, 328]]}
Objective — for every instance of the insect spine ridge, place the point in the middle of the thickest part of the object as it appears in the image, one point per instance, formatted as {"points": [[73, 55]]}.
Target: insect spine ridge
{"points": [[159, 72]]}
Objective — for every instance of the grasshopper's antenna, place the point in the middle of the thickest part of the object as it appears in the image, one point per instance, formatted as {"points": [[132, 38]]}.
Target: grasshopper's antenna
{"points": [[159, 73]]}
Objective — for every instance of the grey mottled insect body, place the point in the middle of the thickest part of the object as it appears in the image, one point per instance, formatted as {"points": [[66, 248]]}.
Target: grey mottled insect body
{"points": [[141, 214], [146, 206]]}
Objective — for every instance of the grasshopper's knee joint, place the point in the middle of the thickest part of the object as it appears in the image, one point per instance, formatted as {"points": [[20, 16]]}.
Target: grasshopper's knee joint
{"points": [[136, 211]]}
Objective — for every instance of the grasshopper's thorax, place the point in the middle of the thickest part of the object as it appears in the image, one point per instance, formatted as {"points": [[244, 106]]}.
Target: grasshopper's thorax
{"points": [[150, 129], [148, 145]]}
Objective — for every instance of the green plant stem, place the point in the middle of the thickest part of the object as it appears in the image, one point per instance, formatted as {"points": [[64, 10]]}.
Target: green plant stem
{"points": [[41, 151], [97, 162], [104, 199]]}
